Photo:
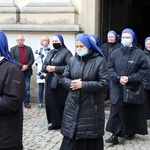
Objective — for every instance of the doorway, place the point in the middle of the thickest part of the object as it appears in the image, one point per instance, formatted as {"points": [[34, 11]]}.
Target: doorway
{"points": [[132, 14]]}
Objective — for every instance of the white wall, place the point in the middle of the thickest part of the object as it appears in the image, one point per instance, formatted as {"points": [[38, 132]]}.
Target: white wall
{"points": [[32, 39]]}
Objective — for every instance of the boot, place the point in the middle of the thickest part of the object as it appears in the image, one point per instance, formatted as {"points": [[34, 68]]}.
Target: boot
{"points": [[113, 139]]}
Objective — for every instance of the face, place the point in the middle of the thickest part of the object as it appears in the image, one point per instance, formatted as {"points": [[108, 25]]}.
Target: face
{"points": [[20, 40], [45, 42], [127, 37], [55, 39], [111, 38], [80, 46], [147, 45]]}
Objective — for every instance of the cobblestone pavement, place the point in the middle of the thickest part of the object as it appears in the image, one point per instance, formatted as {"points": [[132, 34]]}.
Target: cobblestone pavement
{"points": [[37, 137]]}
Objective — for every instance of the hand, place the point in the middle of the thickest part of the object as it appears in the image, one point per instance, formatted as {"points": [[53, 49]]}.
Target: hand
{"points": [[24, 67], [50, 68], [123, 80], [76, 84]]}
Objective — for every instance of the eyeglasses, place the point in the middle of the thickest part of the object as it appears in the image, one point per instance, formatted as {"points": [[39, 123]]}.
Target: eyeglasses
{"points": [[123, 37]]}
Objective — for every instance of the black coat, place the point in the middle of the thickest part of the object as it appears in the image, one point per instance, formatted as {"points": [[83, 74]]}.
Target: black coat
{"points": [[60, 60], [14, 52], [11, 99], [119, 60], [84, 109], [108, 48], [146, 80]]}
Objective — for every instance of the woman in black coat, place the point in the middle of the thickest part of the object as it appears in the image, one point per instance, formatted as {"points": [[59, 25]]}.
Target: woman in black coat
{"points": [[111, 44], [126, 120], [54, 65], [146, 80], [87, 78], [107, 48]]}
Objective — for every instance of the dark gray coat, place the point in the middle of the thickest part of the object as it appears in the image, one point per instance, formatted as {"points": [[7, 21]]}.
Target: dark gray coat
{"points": [[11, 99], [14, 51], [84, 109], [118, 63], [146, 80]]}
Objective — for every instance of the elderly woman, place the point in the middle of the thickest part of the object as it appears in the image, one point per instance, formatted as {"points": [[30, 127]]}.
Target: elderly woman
{"points": [[11, 99], [87, 78], [111, 44], [126, 120], [54, 65], [146, 80]]}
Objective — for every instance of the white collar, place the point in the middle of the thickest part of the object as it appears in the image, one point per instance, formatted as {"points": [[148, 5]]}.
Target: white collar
{"points": [[1, 58]]}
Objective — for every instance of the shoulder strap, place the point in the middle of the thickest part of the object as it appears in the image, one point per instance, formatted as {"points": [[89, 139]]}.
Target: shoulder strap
{"points": [[132, 58]]}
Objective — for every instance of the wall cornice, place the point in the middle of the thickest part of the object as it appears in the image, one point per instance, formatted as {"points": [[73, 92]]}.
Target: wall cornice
{"points": [[33, 27]]}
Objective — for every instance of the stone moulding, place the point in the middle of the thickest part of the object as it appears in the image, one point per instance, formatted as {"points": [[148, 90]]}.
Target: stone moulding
{"points": [[32, 27]]}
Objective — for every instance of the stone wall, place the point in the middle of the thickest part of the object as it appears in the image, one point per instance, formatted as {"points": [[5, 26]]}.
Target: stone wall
{"points": [[35, 18]]}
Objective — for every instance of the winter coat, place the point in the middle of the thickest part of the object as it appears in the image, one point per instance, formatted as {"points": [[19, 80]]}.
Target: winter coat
{"points": [[11, 99], [59, 61], [120, 59], [14, 51], [108, 48], [146, 80], [39, 57], [84, 109]]}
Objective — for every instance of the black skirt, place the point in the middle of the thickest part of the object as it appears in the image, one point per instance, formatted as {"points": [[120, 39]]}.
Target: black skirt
{"points": [[82, 144], [127, 120]]}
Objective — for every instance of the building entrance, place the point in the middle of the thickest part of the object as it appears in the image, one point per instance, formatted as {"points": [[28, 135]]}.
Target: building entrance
{"points": [[120, 14]]}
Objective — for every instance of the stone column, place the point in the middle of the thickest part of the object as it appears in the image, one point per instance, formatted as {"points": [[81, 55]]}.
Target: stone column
{"points": [[9, 13], [48, 12], [90, 16]]}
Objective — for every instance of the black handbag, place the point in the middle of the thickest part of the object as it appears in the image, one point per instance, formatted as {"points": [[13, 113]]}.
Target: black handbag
{"points": [[133, 94], [54, 81]]}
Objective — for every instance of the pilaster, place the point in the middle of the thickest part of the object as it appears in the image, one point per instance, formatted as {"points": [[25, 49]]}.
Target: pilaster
{"points": [[9, 13]]}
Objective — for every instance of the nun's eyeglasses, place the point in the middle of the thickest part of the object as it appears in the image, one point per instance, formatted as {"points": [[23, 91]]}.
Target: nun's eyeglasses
{"points": [[123, 37]]}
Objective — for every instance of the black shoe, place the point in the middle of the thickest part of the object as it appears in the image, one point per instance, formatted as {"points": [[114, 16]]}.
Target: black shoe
{"points": [[113, 139], [130, 137], [53, 127]]}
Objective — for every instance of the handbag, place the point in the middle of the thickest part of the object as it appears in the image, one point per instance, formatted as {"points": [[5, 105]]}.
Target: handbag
{"points": [[54, 81], [133, 94]]}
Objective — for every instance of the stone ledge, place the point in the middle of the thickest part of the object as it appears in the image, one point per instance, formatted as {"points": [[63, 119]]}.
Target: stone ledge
{"points": [[33, 27], [56, 9]]}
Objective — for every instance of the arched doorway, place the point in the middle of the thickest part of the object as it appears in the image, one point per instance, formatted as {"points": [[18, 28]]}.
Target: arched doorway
{"points": [[133, 14]]}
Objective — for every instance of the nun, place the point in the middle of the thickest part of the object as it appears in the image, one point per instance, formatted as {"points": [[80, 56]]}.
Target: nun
{"points": [[95, 39], [55, 94], [126, 120], [11, 99], [87, 78], [111, 44], [146, 80]]}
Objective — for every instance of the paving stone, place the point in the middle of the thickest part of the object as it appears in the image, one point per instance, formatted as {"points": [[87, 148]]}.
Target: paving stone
{"points": [[37, 137]]}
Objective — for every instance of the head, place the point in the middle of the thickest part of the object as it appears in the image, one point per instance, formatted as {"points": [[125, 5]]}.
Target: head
{"points": [[58, 41], [84, 44], [81, 49], [147, 43], [128, 37], [4, 47], [20, 40], [45, 41], [95, 39], [111, 36]]}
